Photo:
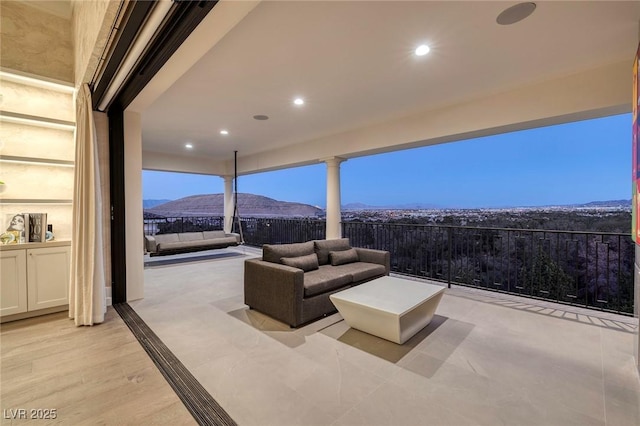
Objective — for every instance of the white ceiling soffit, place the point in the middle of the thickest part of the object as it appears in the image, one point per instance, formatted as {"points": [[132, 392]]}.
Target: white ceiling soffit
{"points": [[353, 63]]}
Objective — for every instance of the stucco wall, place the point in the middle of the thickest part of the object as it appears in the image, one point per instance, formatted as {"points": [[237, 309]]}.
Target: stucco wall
{"points": [[36, 42], [92, 21]]}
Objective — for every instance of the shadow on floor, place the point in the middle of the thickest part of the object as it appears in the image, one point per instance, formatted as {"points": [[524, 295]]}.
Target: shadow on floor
{"points": [[153, 262], [540, 307], [379, 347], [258, 320]]}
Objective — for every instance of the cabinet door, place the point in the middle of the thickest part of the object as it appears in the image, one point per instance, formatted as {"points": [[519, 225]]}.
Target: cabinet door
{"points": [[48, 277], [13, 282]]}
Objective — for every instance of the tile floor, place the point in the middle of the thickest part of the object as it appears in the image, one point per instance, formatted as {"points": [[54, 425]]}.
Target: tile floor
{"points": [[486, 359]]}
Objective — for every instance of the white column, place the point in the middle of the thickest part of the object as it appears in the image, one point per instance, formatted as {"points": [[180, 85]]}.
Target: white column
{"points": [[228, 203], [133, 202], [334, 219]]}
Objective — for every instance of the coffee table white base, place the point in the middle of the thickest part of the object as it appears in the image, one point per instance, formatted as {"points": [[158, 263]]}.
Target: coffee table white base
{"points": [[388, 307]]}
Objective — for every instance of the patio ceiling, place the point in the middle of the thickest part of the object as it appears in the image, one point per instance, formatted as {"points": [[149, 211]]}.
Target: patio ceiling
{"points": [[364, 89]]}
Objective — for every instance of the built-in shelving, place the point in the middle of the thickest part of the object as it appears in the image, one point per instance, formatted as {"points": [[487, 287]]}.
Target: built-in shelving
{"points": [[31, 120], [37, 149], [33, 202], [54, 243], [36, 161]]}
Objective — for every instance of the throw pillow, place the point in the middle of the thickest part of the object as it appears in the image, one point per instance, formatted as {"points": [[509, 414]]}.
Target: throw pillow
{"points": [[306, 263], [274, 252], [323, 247], [343, 257]]}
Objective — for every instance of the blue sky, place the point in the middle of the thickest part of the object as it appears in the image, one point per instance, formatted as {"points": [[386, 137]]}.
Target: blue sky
{"points": [[564, 164]]}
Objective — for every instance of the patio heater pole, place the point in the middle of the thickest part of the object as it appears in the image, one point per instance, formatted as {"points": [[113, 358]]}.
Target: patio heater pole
{"points": [[236, 215]]}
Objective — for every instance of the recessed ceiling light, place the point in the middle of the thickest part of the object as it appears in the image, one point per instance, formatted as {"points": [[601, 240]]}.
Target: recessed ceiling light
{"points": [[422, 50], [188, 146], [224, 132], [515, 13], [261, 117], [298, 101]]}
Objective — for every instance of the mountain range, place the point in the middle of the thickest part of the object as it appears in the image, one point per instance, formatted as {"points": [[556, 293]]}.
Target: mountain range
{"points": [[147, 204], [610, 203], [260, 206], [248, 205], [409, 206], [422, 206]]}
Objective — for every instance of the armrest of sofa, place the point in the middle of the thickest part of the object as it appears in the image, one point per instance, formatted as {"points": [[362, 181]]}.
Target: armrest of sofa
{"points": [[151, 244], [235, 235], [381, 257], [274, 289]]}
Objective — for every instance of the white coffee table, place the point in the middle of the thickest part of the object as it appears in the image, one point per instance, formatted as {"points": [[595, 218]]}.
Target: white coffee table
{"points": [[389, 307]]}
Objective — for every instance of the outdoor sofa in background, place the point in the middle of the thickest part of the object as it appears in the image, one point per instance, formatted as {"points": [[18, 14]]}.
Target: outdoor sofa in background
{"points": [[189, 241]]}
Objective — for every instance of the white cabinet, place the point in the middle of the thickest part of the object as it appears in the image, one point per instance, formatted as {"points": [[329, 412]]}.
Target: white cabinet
{"points": [[34, 279], [13, 282], [48, 277]]}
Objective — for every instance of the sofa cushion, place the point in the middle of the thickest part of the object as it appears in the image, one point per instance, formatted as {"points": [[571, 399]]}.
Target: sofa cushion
{"points": [[361, 271], [323, 247], [274, 252], [179, 245], [213, 234], [167, 238], [343, 257], [324, 279], [190, 236], [306, 263], [222, 242]]}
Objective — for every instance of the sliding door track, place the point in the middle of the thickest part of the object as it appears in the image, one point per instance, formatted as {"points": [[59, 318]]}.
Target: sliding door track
{"points": [[205, 409]]}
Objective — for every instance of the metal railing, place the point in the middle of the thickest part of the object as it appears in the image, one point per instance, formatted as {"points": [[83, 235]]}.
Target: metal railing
{"points": [[256, 231], [589, 269], [259, 231], [169, 225]]}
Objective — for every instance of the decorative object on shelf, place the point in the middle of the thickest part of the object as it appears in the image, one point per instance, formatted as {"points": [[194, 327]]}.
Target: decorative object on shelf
{"points": [[50, 236], [7, 238], [38, 227], [18, 226]]}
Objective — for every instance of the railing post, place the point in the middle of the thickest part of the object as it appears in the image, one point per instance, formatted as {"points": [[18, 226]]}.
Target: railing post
{"points": [[586, 271], [449, 260]]}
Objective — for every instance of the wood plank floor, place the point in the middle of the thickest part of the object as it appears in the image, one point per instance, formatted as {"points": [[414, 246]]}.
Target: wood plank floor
{"points": [[89, 375]]}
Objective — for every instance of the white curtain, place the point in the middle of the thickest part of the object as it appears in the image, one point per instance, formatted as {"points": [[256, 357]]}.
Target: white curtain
{"points": [[87, 298]]}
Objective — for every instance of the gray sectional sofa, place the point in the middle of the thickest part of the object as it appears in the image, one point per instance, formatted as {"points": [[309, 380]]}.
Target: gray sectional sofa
{"points": [[189, 241], [292, 282]]}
